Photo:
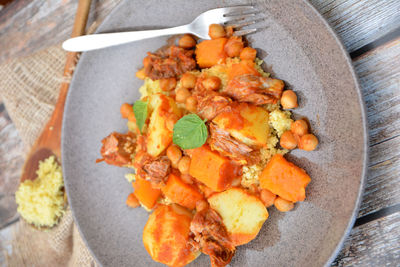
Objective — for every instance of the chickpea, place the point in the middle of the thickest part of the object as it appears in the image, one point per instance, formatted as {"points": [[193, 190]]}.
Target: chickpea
{"points": [[283, 205], [212, 83], [187, 178], [184, 165], [289, 99], [187, 41], [191, 104], [132, 201], [267, 197], [174, 154], [308, 142], [201, 205], [248, 53], [188, 80], [170, 123], [234, 46], [229, 31], [168, 84], [288, 140], [182, 94], [216, 31], [141, 74], [299, 127], [125, 110]]}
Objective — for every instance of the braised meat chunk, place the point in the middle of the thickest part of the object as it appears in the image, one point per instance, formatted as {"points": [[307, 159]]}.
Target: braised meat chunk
{"points": [[170, 63], [224, 143], [155, 169], [210, 235], [255, 89], [117, 149], [158, 169], [209, 103]]}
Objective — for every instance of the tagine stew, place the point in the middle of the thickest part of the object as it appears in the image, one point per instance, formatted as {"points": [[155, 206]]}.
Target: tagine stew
{"points": [[207, 141]]}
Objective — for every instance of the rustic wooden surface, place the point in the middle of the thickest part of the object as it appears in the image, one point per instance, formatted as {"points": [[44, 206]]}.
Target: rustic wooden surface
{"points": [[27, 26], [379, 75], [11, 160], [360, 22]]}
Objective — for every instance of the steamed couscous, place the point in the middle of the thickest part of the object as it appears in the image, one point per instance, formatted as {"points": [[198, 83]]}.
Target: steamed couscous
{"points": [[206, 141], [41, 201]]}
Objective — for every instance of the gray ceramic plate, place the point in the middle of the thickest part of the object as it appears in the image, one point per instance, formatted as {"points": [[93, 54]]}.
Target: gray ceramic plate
{"points": [[297, 46]]}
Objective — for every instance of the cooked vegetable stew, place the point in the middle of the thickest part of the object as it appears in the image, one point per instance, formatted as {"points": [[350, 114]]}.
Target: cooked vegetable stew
{"points": [[206, 142]]}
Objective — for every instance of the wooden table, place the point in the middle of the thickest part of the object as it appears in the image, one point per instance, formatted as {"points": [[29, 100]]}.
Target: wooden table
{"points": [[369, 29]]}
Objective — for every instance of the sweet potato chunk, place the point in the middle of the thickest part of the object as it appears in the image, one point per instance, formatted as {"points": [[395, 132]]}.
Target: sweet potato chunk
{"points": [[166, 236], [284, 179], [211, 52], [145, 193], [242, 214], [242, 68], [247, 123], [181, 193], [215, 171]]}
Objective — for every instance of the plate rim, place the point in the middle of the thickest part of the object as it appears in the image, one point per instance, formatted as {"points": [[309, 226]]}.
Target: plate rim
{"points": [[365, 160], [361, 103]]}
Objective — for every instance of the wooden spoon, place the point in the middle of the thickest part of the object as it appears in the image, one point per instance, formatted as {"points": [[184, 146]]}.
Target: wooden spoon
{"points": [[49, 141]]}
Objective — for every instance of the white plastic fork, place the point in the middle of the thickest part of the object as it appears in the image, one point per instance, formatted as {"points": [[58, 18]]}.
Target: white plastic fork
{"points": [[198, 27]]}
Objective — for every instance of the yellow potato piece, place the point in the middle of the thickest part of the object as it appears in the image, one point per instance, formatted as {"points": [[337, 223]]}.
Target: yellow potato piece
{"points": [[159, 137], [166, 235], [247, 123], [242, 213]]}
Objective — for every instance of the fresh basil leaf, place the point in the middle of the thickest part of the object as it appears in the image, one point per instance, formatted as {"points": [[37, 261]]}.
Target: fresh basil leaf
{"points": [[190, 132], [140, 110]]}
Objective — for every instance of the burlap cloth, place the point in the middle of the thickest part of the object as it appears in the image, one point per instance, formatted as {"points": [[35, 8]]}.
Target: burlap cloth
{"points": [[29, 88]]}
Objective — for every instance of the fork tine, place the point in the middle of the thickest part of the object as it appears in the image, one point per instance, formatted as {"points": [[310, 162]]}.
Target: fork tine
{"points": [[239, 25], [238, 17], [237, 9], [244, 32]]}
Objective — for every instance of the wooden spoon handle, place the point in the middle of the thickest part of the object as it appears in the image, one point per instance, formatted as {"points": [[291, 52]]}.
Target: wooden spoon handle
{"points": [[55, 123], [81, 18], [49, 141]]}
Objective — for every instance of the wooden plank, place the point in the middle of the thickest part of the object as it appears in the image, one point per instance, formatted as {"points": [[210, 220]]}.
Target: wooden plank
{"points": [[382, 188], [33, 25], [360, 22], [42, 23], [11, 160], [378, 73], [375, 243]]}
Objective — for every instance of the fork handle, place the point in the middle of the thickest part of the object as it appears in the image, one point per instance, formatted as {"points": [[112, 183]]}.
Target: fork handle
{"points": [[103, 40]]}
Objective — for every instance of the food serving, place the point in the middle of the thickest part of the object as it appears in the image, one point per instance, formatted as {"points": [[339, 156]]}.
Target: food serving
{"points": [[207, 141]]}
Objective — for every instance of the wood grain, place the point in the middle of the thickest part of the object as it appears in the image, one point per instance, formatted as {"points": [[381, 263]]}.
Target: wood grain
{"points": [[378, 72], [376, 243], [360, 22], [11, 154], [50, 22], [11, 160], [382, 188]]}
